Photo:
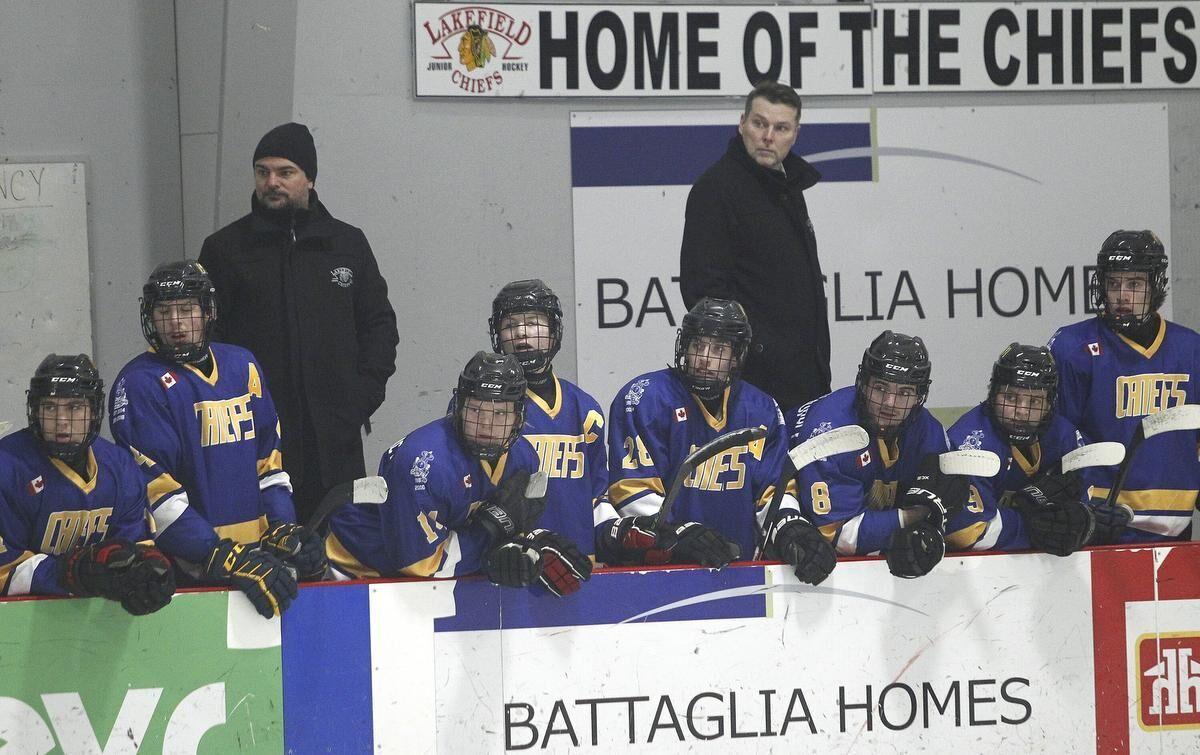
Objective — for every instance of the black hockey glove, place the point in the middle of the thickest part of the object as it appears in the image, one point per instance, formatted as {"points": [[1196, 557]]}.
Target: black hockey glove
{"points": [[914, 551], [564, 568], [149, 583], [298, 547], [97, 569], [507, 512], [941, 495], [632, 540], [513, 564], [263, 578], [693, 543], [1059, 522], [1111, 521], [802, 545]]}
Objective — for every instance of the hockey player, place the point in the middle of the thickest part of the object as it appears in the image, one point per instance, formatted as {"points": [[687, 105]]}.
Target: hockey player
{"points": [[457, 498], [72, 505], [563, 423], [1122, 365], [853, 498], [1029, 504], [657, 419], [200, 421]]}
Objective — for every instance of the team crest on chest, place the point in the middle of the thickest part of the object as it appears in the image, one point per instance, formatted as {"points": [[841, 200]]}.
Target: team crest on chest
{"points": [[343, 276]]}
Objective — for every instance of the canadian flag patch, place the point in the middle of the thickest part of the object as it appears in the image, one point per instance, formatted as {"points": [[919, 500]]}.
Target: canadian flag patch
{"points": [[36, 485], [466, 481], [864, 458], [681, 414], [167, 379], [1094, 349]]}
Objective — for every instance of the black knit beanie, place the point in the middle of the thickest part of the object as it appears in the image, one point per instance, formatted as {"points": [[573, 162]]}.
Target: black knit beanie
{"points": [[291, 141]]}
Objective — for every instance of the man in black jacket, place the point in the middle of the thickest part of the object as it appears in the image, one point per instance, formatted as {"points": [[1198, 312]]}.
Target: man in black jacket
{"points": [[303, 292], [747, 236]]}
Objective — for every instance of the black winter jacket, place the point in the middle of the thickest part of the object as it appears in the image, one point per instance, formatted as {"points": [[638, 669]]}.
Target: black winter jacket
{"points": [[747, 236], [303, 292]]}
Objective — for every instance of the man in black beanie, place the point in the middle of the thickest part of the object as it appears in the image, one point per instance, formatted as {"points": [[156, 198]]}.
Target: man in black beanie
{"points": [[303, 292]]}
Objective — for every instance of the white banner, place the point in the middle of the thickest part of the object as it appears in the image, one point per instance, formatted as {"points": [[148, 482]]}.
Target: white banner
{"points": [[519, 50], [971, 227]]}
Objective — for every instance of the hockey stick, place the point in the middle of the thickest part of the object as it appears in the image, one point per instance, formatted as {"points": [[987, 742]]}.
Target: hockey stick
{"points": [[839, 440], [363, 490], [4, 426], [972, 463], [1185, 417], [699, 456], [1105, 454]]}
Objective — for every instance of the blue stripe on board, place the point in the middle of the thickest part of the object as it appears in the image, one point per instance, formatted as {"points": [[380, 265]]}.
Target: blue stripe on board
{"points": [[606, 599], [327, 671], [677, 155]]}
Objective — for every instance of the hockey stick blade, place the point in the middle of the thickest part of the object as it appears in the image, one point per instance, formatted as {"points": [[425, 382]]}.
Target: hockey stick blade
{"points": [[1185, 417], [535, 488], [972, 463], [368, 490], [702, 454], [5, 427], [839, 440], [1104, 454]]}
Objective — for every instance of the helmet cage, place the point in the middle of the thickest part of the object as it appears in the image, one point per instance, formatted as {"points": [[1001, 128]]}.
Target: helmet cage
{"points": [[899, 359], [1130, 252], [494, 378], [721, 319], [65, 377], [1028, 367], [521, 297], [171, 283]]}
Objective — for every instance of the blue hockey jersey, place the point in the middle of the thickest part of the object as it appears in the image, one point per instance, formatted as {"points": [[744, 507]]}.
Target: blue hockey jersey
{"points": [[1107, 384], [422, 529], [47, 509], [852, 497], [987, 523], [208, 448], [655, 422]]}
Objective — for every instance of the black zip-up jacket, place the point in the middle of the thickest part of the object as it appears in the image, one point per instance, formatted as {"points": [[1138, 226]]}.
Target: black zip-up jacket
{"points": [[303, 292], [747, 236]]}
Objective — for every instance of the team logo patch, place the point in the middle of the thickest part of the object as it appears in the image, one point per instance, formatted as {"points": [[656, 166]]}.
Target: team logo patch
{"points": [[474, 47], [1094, 349], [972, 442], [864, 458], [36, 485], [1168, 694], [420, 469], [168, 380], [343, 276], [634, 394], [681, 414], [821, 429], [120, 401]]}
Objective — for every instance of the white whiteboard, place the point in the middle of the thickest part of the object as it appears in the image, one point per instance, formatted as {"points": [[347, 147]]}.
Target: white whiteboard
{"points": [[45, 292]]}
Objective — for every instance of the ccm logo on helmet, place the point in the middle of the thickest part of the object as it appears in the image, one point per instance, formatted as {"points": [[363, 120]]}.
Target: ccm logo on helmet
{"points": [[1120, 257], [62, 380], [490, 385], [1028, 373], [896, 368]]}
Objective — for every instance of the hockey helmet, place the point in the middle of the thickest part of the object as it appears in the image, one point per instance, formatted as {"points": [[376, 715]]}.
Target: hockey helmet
{"points": [[1021, 366], [63, 376], [899, 359], [170, 281], [520, 297], [1132, 252], [489, 426], [710, 370]]}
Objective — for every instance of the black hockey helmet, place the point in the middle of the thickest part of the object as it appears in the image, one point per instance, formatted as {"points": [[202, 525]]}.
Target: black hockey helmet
{"points": [[714, 318], [1133, 252], [1023, 366], [492, 378], [185, 279], [67, 377], [527, 296], [897, 358]]}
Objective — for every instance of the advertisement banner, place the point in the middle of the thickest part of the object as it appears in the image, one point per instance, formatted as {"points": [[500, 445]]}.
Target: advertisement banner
{"points": [[929, 221], [561, 50]]}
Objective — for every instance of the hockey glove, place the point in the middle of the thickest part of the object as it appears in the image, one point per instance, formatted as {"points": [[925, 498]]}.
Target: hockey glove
{"points": [[298, 547], [1059, 522], [914, 551], [803, 546], [564, 568], [693, 543], [507, 512], [97, 569], [149, 583], [1111, 521], [632, 540], [261, 576], [941, 495], [513, 564]]}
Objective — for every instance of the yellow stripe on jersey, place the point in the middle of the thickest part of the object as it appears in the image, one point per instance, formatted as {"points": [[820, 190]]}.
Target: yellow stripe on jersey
{"points": [[426, 567], [1152, 500], [714, 422], [344, 561], [622, 490], [7, 570], [272, 463], [1152, 349], [161, 487], [1031, 463], [246, 533], [495, 472], [88, 485], [830, 531], [889, 452], [966, 537]]}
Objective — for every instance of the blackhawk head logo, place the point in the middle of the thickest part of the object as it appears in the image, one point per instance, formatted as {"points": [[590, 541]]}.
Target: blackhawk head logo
{"points": [[475, 48]]}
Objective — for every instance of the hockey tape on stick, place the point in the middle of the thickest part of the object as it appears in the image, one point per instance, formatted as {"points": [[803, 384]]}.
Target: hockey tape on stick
{"points": [[4, 426], [972, 463], [702, 454], [535, 488], [839, 440], [371, 490], [1105, 454], [1185, 417]]}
